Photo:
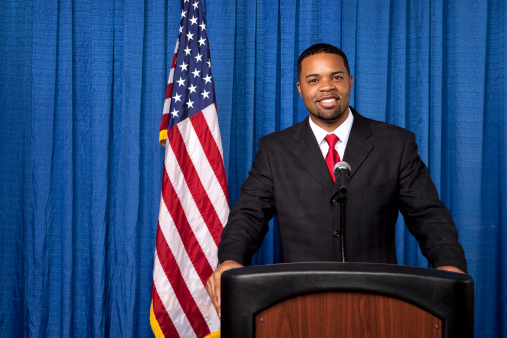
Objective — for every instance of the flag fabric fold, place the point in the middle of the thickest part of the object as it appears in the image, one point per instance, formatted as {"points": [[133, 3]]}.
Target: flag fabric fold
{"points": [[194, 203]]}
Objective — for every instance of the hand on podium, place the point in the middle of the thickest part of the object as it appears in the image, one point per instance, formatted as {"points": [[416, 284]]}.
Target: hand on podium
{"points": [[450, 268], [213, 284]]}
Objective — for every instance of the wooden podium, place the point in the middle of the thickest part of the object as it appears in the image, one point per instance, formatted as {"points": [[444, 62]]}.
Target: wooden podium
{"points": [[328, 299]]}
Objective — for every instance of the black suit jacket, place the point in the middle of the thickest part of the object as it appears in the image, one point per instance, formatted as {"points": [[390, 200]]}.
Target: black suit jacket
{"points": [[290, 177]]}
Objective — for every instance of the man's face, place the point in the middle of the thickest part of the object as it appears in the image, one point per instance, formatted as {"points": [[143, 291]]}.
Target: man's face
{"points": [[325, 87]]}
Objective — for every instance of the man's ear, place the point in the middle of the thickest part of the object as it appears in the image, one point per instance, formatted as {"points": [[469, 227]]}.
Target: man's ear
{"points": [[298, 85]]}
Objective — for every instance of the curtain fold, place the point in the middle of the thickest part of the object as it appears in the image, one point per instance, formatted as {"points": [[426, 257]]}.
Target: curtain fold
{"points": [[83, 85]]}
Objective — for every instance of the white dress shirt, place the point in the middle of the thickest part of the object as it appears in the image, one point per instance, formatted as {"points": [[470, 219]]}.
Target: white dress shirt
{"points": [[343, 132]]}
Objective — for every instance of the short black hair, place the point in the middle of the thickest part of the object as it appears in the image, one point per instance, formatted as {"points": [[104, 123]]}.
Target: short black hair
{"points": [[322, 48]]}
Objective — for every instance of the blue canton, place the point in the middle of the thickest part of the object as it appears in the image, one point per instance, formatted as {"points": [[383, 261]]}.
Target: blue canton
{"points": [[193, 88]]}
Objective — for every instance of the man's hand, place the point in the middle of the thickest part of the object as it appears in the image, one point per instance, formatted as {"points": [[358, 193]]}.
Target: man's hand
{"points": [[450, 268], [213, 284]]}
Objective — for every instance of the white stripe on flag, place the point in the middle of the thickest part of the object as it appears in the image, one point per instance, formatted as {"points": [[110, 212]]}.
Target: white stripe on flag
{"points": [[210, 114]]}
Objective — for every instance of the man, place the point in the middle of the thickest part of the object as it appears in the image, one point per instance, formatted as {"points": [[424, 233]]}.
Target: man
{"points": [[290, 177]]}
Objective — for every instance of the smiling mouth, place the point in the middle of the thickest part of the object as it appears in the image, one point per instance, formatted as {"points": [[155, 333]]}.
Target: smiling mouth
{"points": [[328, 102]]}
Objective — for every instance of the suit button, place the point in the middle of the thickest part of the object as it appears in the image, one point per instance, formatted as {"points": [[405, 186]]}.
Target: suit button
{"points": [[336, 234]]}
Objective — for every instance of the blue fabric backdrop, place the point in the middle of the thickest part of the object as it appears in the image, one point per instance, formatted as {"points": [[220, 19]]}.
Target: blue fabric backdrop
{"points": [[82, 86]]}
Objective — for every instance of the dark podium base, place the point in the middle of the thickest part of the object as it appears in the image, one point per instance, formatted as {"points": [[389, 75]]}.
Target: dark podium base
{"points": [[328, 299]]}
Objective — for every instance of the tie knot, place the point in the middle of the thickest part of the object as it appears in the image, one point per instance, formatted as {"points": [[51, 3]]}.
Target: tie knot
{"points": [[331, 139]]}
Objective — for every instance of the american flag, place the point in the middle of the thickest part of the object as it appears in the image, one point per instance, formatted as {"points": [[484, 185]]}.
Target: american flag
{"points": [[194, 204]]}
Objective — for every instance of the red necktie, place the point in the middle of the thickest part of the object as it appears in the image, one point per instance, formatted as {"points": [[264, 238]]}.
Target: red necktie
{"points": [[332, 156]]}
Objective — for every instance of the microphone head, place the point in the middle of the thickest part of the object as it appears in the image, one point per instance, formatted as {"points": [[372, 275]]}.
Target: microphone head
{"points": [[341, 166]]}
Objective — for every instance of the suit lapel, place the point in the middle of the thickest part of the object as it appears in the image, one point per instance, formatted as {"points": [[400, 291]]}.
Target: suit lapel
{"points": [[358, 146], [308, 152]]}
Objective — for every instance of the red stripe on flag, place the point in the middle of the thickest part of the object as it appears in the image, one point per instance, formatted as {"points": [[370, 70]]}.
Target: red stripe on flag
{"points": [[187, 302], [163, 319], [173, 64], [169, 90], [164, 123], [192, 247], [210, 149], [194, 184]]}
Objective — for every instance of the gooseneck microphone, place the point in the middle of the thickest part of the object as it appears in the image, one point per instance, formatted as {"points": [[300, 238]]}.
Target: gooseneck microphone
{"points": [[342, 175]]}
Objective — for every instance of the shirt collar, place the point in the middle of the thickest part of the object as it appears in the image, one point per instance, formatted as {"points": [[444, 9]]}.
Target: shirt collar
{"points": [[343, 131]]}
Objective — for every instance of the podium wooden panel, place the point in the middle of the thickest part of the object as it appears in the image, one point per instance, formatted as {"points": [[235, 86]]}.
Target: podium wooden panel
{"points": [[346, 314], [328, 299]]}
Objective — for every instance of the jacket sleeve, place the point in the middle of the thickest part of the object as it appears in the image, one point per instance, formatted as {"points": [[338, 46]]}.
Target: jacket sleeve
{"points": [[426, 216], [248, 220]]}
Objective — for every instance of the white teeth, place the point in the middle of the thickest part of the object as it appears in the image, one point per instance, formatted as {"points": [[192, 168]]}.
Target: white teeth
{"points": [[327, 100]]}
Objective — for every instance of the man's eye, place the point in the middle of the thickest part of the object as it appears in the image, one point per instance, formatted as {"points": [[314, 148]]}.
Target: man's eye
{"points": [[312, 81], [338, 77]]}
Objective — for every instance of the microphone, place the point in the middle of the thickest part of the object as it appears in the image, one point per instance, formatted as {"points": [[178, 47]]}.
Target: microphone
{"points": [[342, 176], [341, 172]]}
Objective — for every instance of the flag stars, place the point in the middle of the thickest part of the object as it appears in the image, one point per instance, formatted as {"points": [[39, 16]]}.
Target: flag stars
{"points": [[205, 94], [183, 66], [177, 98], [181, 82], [189, 93], [207, 78], [196, 73]]}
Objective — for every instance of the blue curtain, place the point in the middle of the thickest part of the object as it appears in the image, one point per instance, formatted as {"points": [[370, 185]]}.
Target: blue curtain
{"points": [[82, 85]]}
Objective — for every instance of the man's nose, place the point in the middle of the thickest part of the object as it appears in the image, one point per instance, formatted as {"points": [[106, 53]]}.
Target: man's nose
{"points": [[326, 85]]}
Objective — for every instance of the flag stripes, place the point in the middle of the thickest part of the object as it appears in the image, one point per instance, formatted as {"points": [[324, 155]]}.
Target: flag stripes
{"points": [[185, 232], [194, 184], [200, 123], [176, 278], [163, 323], [164, 122], [194, 204]]}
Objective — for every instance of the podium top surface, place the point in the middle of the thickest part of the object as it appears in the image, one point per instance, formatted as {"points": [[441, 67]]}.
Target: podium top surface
{"points": [[338, 268]]}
